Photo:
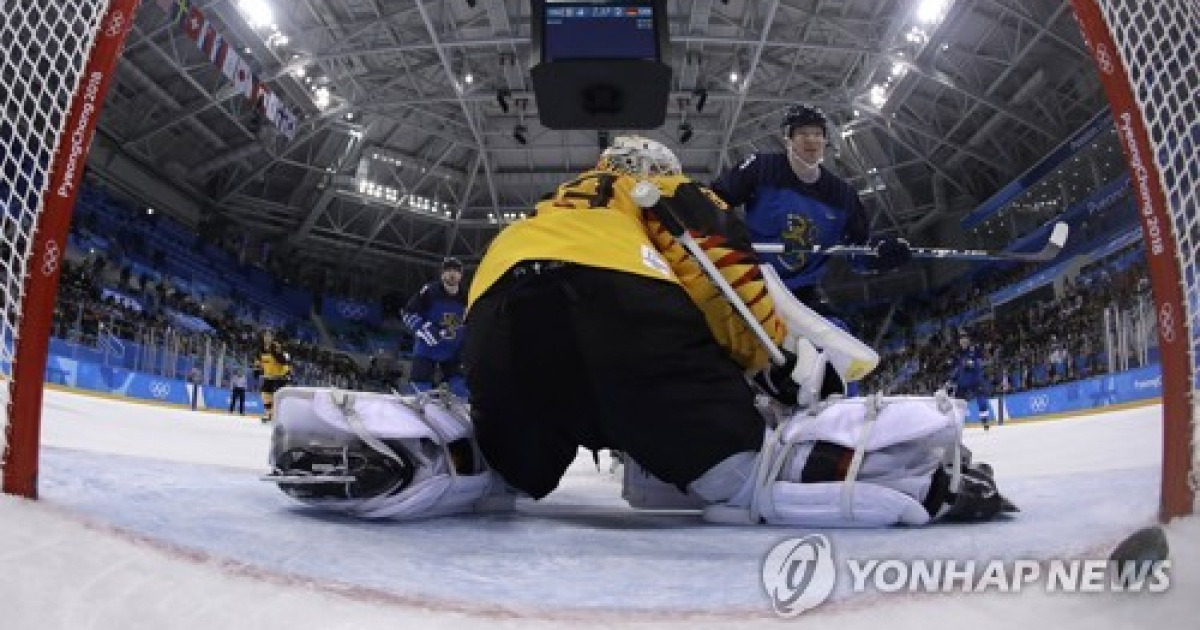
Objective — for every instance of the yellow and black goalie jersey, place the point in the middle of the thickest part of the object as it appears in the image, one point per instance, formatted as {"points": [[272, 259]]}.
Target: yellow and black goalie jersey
{"points": [[593, 221]]}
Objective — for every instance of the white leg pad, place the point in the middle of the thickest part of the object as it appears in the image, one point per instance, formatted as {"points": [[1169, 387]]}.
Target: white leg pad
{"points": [[424, 424], [897, 443]]}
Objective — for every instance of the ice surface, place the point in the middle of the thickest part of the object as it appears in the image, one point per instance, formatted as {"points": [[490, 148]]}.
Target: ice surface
{"points": [[154, 518]]}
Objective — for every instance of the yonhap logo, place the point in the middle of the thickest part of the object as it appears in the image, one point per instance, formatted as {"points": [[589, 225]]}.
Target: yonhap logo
{"points": [[798, 574]]}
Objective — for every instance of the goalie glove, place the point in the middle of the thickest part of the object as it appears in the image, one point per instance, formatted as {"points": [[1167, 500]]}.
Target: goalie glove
{"points": [[978, 498], [892, 253], [806, 376], [777, 380], [427, 334]]}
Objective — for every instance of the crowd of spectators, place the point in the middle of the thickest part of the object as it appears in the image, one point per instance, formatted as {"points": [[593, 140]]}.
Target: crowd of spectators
{"points": [[1027, 344], [95, 298]]}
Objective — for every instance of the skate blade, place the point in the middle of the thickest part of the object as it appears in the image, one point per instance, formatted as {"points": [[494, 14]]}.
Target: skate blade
{"points": [[307, 479]]}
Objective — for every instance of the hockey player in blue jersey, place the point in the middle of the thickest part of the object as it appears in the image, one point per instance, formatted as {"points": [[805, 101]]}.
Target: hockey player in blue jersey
{"points": [[435, 317], [968, 380], [790, 198]]}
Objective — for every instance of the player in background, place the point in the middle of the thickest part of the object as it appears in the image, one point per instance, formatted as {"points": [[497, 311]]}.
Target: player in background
{"points": [[274, 366], [791, 198], [435, 317], [968, 379]]}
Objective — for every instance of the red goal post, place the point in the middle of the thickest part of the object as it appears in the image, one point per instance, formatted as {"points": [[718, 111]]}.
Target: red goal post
{"points": [[57, 58], [1146, 55]]}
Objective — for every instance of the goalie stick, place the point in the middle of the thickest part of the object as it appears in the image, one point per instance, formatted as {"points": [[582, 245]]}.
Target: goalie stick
{"points": [[648, 196], [1054, 246]]}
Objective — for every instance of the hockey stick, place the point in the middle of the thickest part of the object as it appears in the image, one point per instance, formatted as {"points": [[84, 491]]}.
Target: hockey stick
{"points": [[1054, 246], [649, 197]]}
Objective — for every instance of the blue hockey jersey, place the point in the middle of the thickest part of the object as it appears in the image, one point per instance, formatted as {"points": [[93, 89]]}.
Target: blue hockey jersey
{"points": [[446, 312], [780, 208], [968, 368]]}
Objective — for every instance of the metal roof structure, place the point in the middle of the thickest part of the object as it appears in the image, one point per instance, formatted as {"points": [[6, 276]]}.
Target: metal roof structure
{"points": [[419, 134]]}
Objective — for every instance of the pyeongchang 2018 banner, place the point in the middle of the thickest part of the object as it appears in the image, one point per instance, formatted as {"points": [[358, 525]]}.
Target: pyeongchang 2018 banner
{"points": [[1099, 391]]}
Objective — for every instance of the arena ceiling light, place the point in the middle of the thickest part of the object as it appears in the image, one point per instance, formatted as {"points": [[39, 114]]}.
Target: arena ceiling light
{"points": [[932, 11], [257, 13], [879, 95], [321, 97]]}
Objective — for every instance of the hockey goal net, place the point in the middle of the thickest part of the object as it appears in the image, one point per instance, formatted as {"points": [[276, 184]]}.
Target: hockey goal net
{"points": [[1146, 55], [56, 57]]}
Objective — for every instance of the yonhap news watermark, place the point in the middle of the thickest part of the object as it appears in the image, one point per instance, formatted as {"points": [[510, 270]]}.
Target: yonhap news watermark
{"points": [[800, 574]]}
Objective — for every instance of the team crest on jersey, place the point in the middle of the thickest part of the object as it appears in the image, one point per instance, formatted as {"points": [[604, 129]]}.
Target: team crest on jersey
{"points": [[800, 234], [451, 323]]}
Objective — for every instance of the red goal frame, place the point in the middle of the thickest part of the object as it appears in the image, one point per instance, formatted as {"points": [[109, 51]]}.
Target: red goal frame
{"points": [[49, 247], [1163, 259]]}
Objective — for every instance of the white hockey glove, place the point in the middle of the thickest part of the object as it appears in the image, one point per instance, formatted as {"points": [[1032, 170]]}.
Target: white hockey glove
{"points": [[427, 334]]}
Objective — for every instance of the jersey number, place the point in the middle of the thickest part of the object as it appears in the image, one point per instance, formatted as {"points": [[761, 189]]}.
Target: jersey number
{"points": [[598, 199]]}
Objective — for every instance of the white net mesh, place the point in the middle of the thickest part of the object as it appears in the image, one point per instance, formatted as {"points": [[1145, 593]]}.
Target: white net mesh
{"points": [[44, 46], [1158, 43]]}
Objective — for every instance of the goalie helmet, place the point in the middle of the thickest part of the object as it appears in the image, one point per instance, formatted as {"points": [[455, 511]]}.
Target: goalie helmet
{"points": [[640, 157]]}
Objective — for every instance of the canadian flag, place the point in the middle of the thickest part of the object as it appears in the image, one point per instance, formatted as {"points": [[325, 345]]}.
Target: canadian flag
{"points": [[259, 93], [194, 23]]}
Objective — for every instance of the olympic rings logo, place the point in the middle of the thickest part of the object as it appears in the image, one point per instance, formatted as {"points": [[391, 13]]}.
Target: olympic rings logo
{"points": [[351, 310], [1039, 403], [1104, 59], [115, 25], [50, 257], [160, 389], [1166, 322]]}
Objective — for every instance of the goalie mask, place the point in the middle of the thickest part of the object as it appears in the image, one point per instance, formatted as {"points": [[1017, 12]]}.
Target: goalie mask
{"points": [[639, 157]]}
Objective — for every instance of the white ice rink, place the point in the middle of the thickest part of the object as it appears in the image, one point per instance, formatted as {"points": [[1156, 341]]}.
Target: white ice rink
{"points": [[154, 518]]}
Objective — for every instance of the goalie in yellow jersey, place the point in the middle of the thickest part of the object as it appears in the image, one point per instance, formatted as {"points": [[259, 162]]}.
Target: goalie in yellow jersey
{"points": [[595, 324], [591, 326]]}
